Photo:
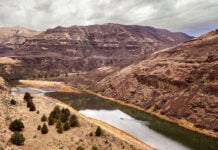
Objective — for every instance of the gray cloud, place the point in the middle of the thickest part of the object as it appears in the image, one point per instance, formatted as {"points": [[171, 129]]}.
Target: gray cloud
{"points": [[191, 16]]}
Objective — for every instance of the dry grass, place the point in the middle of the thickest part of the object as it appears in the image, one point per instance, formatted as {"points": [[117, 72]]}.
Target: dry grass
{"points": [[8, 61], [112, 138], [49, 84]]}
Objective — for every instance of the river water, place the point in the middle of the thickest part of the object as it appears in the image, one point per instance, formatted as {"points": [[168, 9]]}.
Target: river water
{"points": [[147, 128]]}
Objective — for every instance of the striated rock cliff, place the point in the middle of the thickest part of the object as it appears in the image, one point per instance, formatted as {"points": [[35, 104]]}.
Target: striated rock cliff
{"points": [[84, 48], [106, 40], [13, 37], [180, 82]]}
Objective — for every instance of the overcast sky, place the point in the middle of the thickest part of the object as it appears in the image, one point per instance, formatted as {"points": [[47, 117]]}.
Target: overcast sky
{"points": [[190, 16]]}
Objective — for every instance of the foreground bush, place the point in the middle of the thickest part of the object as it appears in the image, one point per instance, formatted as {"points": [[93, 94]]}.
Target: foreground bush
{"points": [[43, 118], [27, 96], [16, 125], [60, 129], [80, 148], [94, 148], [13, 102], [98, 131], [17, 138], [32, 107], [44, 129], [74, 121], [66, 126]]}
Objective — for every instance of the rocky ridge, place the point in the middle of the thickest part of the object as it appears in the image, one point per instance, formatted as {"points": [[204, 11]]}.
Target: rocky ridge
{"points": [[179, 82], [85, 48], [13, 37]]}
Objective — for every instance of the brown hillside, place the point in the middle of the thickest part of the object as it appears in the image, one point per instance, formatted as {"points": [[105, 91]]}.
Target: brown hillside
{"points": [[180, 82]]}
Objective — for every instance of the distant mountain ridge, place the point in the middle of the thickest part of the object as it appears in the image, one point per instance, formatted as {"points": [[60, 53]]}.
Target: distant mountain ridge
{"points": [[82, 41], [84, 48]]}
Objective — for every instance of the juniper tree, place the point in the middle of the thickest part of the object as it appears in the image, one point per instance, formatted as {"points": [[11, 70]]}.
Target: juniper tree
{"points": [[44, 129], [16, 125], [17, 138]]}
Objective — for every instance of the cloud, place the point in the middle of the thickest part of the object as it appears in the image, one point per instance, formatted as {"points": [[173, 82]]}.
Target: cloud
{"points": [[190, 16]]}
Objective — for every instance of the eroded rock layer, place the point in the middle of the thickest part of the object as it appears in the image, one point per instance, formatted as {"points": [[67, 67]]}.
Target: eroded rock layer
{"points": [[180, 82]]}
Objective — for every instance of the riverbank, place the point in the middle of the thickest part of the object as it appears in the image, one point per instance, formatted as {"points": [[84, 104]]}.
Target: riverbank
{"points": [[114, 132], [61, 86], [182, 123]]}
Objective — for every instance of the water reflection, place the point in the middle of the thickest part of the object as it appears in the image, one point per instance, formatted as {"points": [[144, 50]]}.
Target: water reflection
{"points": [[151, 130]]}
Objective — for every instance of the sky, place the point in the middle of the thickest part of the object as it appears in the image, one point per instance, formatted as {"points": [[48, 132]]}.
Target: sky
{"points": [[193, 17]]}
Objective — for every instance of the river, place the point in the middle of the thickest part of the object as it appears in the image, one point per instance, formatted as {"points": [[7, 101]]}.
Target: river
{"points": [[145, 127]]}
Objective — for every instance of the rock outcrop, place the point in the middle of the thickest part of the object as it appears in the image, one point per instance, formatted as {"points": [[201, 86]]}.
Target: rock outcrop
{"points": [[180, 82], [13, 37], [108, 40]]}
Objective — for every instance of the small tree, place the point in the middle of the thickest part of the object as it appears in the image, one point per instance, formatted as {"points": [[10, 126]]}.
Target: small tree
{"points": [[98, 131], [29, 103], [80, 148], [43, 118], [32, 107], [44, 129], [16, 125], [27, 96], [94, 148], [17, 138], [66, 126], [39, 127], [57, 109], [13, 102], [50, 121], [60, 129], [74, 121], [59, 124], [65, 114]]}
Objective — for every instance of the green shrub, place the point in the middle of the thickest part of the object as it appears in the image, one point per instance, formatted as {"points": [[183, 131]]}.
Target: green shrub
{"points": [[44, 129], [27, 96], [94, 148], [80, 148], [65, 114], [74, 121], [56, 112], [16, 125], [66, 126], [32, 107], [43, 118], [50, 121], [13, 102], [90, 134], [29, 103], [63, 117], [59, 124], [60, 129], [39, 127], [98, 131], [17, 138]]}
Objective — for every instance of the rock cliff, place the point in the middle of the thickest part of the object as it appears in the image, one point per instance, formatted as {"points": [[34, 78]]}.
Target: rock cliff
{"points": [[180, 82]]}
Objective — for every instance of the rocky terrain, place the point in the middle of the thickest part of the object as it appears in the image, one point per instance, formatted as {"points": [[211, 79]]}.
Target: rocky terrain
{"points": [[84, 48], [13, 37], [179, 82]]}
